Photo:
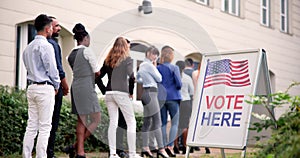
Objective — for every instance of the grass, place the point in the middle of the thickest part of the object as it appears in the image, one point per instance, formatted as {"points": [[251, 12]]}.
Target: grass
{"points": [[229, 154]]}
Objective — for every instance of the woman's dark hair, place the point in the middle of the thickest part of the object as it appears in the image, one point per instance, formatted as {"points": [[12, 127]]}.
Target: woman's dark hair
{"points": [[181, 65], [79, 32], [41, 21], [152, 50], [189, 62]]}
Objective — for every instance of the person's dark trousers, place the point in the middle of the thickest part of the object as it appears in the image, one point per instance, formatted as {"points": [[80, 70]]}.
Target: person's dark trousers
{"points": [[55, 122], [121, 130]]}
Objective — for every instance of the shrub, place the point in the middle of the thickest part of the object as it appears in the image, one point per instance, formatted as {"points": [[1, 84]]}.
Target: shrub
{"points": [[285, 138], [13, 108]]}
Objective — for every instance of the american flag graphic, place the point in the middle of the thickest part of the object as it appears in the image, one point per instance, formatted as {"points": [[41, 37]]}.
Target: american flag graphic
{"points": [[227, 72]]}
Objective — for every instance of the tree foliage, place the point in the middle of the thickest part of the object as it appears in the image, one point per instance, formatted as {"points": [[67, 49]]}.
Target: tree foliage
{"points": [[285, 138]]}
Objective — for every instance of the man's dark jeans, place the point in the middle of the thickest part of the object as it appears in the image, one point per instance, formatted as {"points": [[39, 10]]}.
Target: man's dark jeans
{"points": [[121, 130], [55, 122]]}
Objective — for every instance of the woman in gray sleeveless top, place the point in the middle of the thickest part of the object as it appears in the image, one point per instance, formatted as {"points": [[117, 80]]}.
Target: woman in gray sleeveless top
{"points": [[84, 97]]}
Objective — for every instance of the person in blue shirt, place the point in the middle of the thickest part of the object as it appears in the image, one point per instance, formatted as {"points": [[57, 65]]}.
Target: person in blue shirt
{"points": [[63, 88], [169, 96]]}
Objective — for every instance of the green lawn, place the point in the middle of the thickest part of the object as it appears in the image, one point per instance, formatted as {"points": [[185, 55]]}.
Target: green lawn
{"points": [[197, 154]]}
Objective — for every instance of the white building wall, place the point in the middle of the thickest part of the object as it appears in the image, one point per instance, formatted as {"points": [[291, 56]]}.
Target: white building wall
{"points": [[228, 32]]}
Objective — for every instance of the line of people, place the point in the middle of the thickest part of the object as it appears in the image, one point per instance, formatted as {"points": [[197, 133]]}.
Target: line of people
{"points": [[166, 90]]}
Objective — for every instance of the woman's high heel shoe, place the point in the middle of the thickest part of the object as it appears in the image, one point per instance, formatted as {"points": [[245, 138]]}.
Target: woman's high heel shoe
{"points": [[176, 150], [147, 154], [170, 153], [160, 154]]}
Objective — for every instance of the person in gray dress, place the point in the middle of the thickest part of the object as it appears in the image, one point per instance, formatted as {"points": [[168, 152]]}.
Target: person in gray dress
{"points": [[83, 95]]}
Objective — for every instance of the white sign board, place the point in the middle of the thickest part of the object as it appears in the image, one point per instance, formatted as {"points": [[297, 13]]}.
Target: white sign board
{"points": [[220, 116]]}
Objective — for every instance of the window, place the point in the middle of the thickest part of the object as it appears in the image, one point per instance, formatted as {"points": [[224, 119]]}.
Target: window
{"points": [[25, 34], [284, 16], [137, 53], [17, 79], [204, 2], [231, 7], [265, 12]]}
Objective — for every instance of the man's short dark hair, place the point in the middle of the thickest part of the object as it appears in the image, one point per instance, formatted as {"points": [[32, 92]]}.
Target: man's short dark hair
{"points": [[41, 21], [189, 62]]}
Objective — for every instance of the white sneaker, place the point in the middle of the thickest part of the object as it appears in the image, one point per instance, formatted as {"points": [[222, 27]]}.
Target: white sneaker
{"points": [[114, 156], [134, 156]]}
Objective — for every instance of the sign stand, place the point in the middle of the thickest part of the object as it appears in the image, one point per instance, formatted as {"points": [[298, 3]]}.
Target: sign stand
{"points": [[220, 116], [223, 153], [243, 154], [187, 154]]}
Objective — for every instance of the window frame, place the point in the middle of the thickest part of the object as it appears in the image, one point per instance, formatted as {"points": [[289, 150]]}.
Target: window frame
{"points": [[284, 15], [24, 36], [204, 2], [267, 9], [230, 8]]}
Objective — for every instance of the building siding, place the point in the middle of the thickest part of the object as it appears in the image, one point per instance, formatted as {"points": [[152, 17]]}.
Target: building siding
{"points": [[228, 32]]}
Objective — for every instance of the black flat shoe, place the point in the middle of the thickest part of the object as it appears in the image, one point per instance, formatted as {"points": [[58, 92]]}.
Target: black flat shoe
{"points": [[80, 156], [207, 151], [191, 149], [145, 153], [70, 150], [123, 154], [196, 148], [184, 150], [170, 153], [176, 150], [160, 154]]}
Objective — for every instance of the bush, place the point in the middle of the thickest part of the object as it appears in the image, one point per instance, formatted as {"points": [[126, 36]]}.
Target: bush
{"points": [[13, 107], [285, 138]]}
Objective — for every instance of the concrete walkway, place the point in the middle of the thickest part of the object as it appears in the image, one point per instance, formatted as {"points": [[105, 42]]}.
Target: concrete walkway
{"points": [[215, 153]]}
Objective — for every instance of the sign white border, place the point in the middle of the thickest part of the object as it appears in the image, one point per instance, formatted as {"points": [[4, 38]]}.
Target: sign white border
{"points": [[226, 137]]}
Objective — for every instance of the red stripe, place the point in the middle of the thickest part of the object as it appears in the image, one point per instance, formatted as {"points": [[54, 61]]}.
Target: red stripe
{"points": [[238, 66], [239, 73], [238, 70], [238, 62], [220, 77], [226, 83], [228, 76], [228, 80]]}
